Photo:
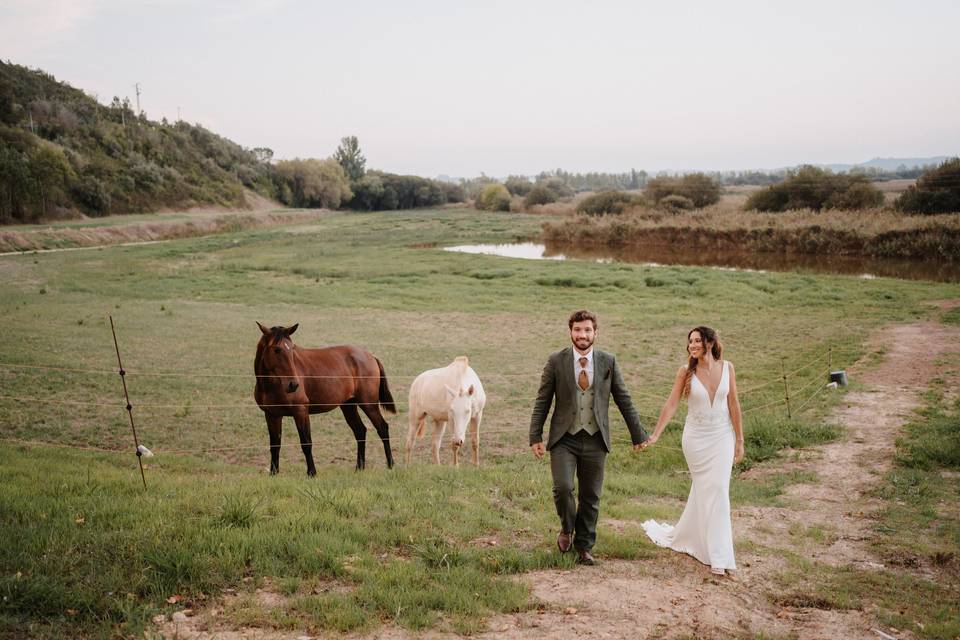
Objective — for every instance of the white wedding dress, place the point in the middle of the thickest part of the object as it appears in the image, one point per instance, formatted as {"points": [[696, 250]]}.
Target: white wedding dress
{"points": [[704, 530]]}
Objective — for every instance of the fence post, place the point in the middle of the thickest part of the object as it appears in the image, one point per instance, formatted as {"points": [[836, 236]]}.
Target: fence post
{"points": [[123, 378], [786, 392]]}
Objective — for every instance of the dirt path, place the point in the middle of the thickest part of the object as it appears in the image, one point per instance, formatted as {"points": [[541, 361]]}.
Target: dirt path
{"points": [[673, 595]]}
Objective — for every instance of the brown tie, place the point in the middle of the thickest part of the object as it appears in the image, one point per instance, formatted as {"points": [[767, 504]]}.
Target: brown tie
{"points": [[583, 381]]}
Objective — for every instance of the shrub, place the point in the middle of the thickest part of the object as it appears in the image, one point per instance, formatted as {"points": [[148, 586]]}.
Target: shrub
{"points": [[518, 185], [539, 194], [936, 191], [700, 189], [859, 195], [557, 186], [676, 202], [494, 197], [92, 195], [607, 202], [810, 187]]}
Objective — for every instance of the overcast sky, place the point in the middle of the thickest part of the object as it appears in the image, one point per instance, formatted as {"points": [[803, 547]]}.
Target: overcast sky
{"points": [[444, 87]]}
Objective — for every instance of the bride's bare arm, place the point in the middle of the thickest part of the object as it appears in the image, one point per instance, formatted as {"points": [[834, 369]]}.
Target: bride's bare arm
{"points": [[670, 406], [736, 416]]}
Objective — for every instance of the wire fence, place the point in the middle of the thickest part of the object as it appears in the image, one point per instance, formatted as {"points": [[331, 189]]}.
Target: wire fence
{"points": [[813, 367]]}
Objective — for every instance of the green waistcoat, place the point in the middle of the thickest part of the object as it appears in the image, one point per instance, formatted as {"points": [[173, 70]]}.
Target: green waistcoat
{"points": [[586, 420]]}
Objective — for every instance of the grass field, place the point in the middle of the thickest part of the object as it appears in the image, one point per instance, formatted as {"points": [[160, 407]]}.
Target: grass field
{"points": [[86, 544]]}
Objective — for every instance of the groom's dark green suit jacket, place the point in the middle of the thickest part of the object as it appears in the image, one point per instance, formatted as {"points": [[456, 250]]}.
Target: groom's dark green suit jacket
{"points": [[558, 381]]}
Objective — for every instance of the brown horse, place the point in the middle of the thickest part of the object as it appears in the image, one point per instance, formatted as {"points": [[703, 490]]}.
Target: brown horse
{"points": [[297, 382]]}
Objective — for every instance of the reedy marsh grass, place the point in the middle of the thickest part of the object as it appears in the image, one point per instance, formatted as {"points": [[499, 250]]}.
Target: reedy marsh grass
{"points": [[870, 232], [88, 547]]}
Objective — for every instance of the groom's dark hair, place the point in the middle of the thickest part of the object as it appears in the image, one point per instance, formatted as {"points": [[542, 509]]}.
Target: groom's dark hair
{"points": [[580, 316]]}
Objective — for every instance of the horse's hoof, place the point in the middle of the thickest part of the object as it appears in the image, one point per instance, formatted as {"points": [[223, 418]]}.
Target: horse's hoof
{"points": [[311, 473]]}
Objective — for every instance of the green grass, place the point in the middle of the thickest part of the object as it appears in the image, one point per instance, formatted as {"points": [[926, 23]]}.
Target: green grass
{"points": [[951, 316], [86, 544]]}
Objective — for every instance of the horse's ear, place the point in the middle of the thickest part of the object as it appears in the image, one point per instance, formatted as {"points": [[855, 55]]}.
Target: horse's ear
{"points": [[264, 329], [450, 392], [289, 330], [470, 391]]}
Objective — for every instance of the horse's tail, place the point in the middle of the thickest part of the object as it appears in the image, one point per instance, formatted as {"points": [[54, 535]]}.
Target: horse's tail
{"points": [[386, 400]]}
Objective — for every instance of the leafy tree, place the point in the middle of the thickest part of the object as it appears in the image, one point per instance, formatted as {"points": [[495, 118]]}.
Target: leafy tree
{"points": [[15, 184], [557, 186], [936, 191], [811, 187], [315, 183], [349, 156], [49, 169], [539, 194], [518, 185], [368, 193], [263, 154], [8, 106], [614, 202], [699, 188]]}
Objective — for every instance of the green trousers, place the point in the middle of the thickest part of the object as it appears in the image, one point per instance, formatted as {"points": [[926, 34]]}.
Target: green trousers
{"points": [[583, 456]]}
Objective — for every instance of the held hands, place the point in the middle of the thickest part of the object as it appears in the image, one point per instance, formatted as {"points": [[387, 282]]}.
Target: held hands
{"points": [[538, 450], [738, 452], [652, 440]]}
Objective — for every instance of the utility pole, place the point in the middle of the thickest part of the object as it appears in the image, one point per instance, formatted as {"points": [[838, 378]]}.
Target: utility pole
{"points": [[137, 87], [178, 114]]}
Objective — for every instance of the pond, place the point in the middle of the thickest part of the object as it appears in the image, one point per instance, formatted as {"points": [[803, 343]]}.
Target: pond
{"points": [[658, 256]]}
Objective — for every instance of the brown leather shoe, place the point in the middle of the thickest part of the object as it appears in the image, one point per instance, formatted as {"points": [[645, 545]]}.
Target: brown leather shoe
{"points": [[564, 541], [586, 558]]}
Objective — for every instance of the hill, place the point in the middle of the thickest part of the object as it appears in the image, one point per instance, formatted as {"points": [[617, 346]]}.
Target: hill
{"points": [[63, 151], [889, 164]]}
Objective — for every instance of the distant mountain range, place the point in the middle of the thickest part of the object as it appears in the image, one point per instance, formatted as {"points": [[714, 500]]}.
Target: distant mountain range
{"points": [[888, 164]]}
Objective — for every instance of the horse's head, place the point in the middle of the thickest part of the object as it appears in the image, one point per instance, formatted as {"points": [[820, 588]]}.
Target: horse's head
{"points": [[459, 413], [275, 356]]}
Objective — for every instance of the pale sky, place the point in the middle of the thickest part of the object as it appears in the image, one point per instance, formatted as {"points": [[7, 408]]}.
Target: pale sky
{"points": [[444, 87]]}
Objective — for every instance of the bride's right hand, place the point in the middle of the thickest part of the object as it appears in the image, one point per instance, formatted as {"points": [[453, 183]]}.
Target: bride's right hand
{"points": [[651, 440]]}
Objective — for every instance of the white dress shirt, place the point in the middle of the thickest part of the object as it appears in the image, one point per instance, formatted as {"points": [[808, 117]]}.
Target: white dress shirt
{"points": [[577, 368]]}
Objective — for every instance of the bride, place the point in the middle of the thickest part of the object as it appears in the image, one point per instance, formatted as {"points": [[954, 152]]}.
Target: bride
{"points": [[712, 443]]}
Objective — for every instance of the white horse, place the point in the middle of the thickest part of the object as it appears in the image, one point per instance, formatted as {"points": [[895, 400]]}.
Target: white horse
{"points": [[450, 394]]}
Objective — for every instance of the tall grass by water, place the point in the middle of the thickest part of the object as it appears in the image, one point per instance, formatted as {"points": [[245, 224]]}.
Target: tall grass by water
{"points": [[869, 232]]}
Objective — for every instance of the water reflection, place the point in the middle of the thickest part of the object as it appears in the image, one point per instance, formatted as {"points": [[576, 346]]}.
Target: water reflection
{"points": [[938, 270], [528, 250]]}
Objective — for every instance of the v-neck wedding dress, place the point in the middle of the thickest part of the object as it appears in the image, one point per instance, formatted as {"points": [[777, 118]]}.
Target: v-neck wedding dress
{"points": [[704, 530]]}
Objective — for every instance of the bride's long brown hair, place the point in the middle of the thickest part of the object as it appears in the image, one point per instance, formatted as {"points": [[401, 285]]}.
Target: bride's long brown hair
{"points": [[707, 335]]}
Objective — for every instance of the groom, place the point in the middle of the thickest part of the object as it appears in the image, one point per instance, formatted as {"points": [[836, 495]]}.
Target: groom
{"points": [[582, 379]]}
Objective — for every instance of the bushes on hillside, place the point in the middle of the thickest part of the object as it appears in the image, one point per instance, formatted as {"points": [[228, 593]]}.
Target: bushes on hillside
{"points": [[699, 188], [936, 191], [607, 202], [494, 197], [60, 149], [814, 188]]}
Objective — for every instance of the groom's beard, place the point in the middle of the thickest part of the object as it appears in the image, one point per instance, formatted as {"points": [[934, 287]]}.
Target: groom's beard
{"points": [[583, 344]]}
